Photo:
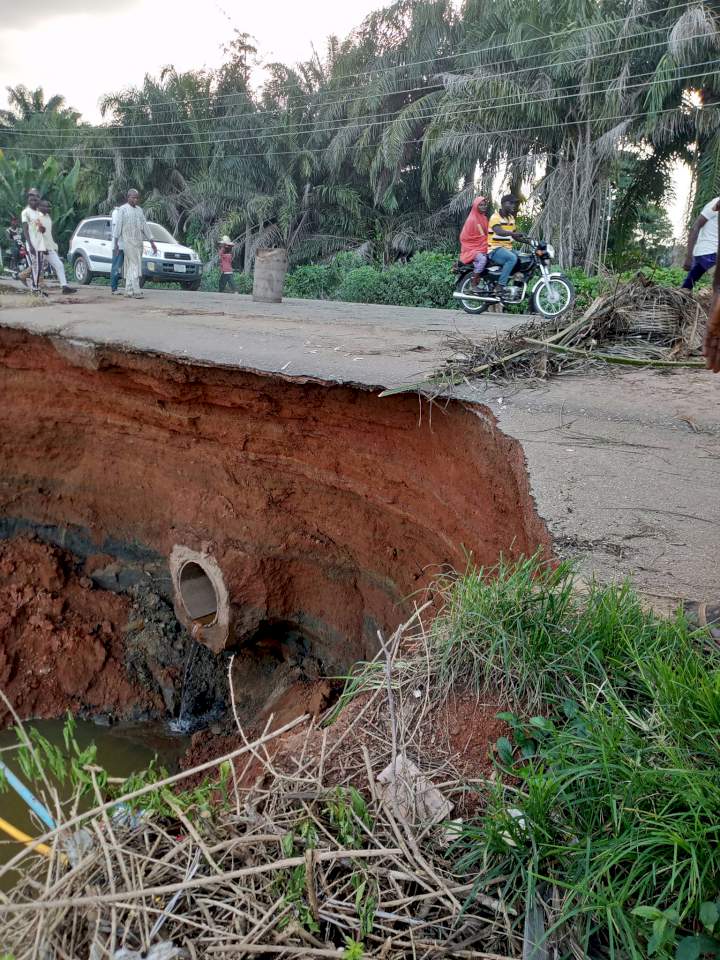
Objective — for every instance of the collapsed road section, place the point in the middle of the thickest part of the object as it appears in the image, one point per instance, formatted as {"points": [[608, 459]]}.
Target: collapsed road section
{"points": [[274, 513]]}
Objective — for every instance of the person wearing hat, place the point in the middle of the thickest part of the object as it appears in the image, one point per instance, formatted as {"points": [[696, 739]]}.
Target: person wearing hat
{"points": [[226, 268], [474, 240]]}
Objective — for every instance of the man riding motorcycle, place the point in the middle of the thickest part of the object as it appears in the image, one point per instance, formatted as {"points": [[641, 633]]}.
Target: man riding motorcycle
{"points": [[502, 232]]}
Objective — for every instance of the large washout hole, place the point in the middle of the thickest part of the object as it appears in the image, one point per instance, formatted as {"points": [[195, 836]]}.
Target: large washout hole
{"points": [[198, 594]]}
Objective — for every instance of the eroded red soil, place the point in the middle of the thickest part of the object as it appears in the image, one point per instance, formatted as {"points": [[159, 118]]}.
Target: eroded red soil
{"points": [[61, 641], [324, 505]]}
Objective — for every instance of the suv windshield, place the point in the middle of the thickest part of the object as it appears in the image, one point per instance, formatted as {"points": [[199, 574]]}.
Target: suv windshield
{"points": [[160, 234]]}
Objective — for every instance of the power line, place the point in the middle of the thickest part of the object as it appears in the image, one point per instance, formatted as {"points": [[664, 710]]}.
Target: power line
{"points": [[473, 107], [493, 133], [313, 124], [381, 71]]}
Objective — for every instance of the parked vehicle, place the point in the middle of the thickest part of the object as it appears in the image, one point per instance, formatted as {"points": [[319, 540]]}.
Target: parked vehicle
{"points": [[91, 252], [550, 295]]}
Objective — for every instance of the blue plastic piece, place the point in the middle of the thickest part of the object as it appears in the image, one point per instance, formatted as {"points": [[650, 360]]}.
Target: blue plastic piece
{"points": [[31, 800]]}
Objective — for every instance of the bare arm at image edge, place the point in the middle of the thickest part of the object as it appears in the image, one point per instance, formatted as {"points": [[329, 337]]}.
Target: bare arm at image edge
{"points": [[692, 240]]}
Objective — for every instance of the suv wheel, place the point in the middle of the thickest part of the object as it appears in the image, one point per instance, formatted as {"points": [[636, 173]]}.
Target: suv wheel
{"points": [[81, 268], [195, 285]]}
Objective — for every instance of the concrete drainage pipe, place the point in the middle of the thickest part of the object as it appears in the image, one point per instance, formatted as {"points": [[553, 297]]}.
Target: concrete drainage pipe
{"points": [[200, 596]]}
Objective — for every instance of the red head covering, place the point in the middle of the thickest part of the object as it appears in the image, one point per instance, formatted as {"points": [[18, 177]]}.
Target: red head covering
{"points": [[474, 235]]}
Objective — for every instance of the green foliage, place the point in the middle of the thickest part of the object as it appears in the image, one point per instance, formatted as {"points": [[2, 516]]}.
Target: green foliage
{"points": [[608, 781], [39, 759], [58, 185], [426, 281], [354, 949]]}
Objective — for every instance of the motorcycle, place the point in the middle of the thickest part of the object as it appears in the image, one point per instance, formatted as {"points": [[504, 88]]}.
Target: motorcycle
{"points": [[550, 295]]}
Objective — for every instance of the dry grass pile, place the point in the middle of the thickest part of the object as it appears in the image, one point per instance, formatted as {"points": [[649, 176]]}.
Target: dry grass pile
{"points": [[638, 323], [303, 851]]}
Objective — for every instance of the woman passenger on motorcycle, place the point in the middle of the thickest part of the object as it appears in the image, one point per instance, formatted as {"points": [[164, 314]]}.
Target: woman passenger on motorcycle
{"points": [[502, 234], [474, 240]]}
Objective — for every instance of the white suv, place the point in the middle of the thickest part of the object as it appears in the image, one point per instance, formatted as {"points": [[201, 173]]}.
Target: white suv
{"points": [[91, 255]]}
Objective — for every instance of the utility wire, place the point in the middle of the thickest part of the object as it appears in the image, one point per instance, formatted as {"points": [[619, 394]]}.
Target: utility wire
{"points": [[489, 133], [473, 107]]}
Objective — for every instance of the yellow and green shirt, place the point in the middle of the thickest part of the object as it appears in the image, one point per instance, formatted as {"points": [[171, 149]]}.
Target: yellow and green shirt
{"points": [[507, 223]]}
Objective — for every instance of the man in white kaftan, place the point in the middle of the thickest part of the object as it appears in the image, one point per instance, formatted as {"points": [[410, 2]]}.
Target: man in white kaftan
{"points": [[130, 231]]}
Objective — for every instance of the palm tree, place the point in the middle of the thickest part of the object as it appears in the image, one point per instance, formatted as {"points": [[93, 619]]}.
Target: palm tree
{"points": [[25, 104]]}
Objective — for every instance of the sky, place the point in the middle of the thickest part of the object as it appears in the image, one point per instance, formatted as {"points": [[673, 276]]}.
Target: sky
{"points": [[84, 49]]}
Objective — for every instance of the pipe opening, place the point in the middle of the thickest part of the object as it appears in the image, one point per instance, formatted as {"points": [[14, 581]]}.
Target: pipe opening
{"points": [[198, 594]]}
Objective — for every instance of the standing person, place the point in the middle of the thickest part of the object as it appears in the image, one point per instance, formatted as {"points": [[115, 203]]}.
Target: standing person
{"points": [[474, 240], [34, 235], [12, 234], [702, 248], [711, 347], [132, 228], [118, 258], [226, 267], [500, 240], [52, 247]]}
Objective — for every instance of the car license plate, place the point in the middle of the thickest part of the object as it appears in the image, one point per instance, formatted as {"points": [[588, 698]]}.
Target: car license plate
{"points": [[180, 268]]}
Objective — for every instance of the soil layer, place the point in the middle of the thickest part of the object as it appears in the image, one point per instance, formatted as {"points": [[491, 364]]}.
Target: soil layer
{"points": [[61, 640], [325, 507]]}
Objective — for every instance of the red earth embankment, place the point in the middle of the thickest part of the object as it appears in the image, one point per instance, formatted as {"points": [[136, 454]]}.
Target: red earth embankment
{"points": [[325, 507], [61, 641]]}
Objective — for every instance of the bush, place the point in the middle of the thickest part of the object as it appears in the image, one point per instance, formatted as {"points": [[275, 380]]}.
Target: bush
{"points": [[313, 282], [426, 281]]}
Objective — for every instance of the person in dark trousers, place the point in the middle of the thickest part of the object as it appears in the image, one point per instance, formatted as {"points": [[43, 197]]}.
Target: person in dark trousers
{"points": [[702, 244], [118, 259], [226, 268]]}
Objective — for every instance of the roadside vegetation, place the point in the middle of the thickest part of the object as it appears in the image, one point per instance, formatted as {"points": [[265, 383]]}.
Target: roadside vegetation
{"points": [[596, 834]]}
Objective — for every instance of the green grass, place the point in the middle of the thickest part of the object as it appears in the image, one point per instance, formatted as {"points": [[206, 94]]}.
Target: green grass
{"points": [[613, 762]]}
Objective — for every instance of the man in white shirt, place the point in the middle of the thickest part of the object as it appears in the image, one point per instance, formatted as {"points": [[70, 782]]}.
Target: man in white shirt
{"points": [[34, 235], [131, 229], [702, 244], [52, 247]]}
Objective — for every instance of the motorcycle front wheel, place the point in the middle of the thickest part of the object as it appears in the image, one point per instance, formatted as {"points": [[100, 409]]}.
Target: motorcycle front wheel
{"points": [[552, 297], [471, 306]]}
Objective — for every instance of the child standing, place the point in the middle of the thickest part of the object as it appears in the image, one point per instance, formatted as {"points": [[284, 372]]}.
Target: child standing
{"points": [[226, 269]]}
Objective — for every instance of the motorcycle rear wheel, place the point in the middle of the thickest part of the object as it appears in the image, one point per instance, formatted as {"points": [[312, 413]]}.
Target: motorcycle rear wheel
{"points": [[471, 306]]}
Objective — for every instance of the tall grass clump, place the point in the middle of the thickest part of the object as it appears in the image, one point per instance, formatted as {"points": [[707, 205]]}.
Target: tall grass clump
{"points": [[605, 810]]}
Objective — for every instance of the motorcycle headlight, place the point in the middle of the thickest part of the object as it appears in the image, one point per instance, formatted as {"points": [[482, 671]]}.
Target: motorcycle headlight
{"points": [[550, 251]]}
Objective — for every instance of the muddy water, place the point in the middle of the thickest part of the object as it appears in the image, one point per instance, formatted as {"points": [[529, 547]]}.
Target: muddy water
{"points": [[123, 749]]}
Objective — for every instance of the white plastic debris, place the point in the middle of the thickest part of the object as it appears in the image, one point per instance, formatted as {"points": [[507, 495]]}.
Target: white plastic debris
{"points": [[418, 799], [519, 818], [165, 950]]}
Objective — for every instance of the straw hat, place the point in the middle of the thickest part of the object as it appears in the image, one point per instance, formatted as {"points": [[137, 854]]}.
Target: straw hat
{"points": [[226, 239]]}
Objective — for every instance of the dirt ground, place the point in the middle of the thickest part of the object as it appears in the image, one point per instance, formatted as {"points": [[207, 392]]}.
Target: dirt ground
{"points": [[61, 640]]}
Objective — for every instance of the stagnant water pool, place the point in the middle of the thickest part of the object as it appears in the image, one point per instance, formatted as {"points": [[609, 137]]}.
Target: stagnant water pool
{"points": [[122, 749]]}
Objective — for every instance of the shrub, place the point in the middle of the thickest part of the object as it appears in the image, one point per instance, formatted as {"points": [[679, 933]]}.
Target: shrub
{"points": [[426, 281], [313, 282]]}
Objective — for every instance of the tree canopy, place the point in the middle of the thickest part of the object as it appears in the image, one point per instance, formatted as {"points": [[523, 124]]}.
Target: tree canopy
{"points": [[380, 143]]}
